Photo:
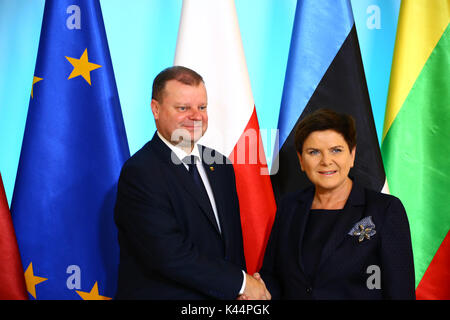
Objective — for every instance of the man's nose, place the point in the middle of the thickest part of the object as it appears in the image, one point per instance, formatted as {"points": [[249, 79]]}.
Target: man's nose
{"points": [[195, 114]]}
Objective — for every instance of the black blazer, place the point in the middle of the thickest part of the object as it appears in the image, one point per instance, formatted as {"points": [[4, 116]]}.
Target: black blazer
{"points": [[343, 271], [170, 245]]}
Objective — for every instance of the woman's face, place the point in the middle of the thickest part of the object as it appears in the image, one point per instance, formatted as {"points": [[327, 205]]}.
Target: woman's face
{"points": [[326, 159]]}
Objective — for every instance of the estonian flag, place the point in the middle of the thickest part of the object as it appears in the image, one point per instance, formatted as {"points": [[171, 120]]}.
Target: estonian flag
{"points": [[325, 70]]}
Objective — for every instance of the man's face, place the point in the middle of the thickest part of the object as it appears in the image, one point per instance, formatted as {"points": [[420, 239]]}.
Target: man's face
{"points": [[181, 116]]}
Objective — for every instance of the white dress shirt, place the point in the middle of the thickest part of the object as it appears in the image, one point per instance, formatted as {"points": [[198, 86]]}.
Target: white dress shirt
{"points": [[181, 154]]}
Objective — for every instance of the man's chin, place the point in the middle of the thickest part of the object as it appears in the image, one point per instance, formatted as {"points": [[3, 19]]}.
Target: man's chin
{"points": [[184, 137], [186, 141]]}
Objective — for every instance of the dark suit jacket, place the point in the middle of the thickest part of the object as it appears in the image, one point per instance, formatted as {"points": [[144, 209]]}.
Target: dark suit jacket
{"points": [[170, 246], [343, 269]]}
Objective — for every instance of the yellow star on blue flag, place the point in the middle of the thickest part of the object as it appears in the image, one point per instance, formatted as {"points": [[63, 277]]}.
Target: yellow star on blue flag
{"points": [[35, 80], [82, 67], [93, 294], [32, 280]]}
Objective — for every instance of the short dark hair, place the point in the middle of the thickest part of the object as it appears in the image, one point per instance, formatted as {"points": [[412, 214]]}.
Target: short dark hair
{"points": [[179, 73], [325, 119]]}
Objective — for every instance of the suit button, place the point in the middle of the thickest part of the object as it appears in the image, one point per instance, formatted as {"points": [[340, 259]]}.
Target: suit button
{"points": [[309, 290]]}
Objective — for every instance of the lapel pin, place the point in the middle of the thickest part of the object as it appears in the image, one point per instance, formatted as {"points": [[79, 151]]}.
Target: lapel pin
{"points": [[363, 229], [211, 168]]}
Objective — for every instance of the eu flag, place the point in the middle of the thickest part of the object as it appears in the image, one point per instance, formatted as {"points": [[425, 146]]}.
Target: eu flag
{"points": [[73, 148]]}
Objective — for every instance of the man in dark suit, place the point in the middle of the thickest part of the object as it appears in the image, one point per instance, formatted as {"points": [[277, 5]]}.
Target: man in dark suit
{"points": [[177, 212]]}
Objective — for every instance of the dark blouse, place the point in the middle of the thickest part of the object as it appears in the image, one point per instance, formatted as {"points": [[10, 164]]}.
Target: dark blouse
{"points": [[318, 228]]}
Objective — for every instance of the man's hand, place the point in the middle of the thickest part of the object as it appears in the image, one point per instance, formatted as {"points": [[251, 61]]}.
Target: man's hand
{"points": [[255, 289]]}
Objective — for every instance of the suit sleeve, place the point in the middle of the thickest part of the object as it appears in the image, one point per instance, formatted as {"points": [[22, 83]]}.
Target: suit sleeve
{"points": [[396, 254], [269, 271], [239, 238], [145, 219]]}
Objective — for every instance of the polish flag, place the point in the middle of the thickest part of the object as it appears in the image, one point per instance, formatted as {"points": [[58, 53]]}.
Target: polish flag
{"points": [[12, 279], [209, 42]]}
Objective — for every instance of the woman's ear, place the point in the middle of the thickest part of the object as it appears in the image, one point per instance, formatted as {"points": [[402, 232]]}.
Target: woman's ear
{"points": [[353, 154], [300, 160]]}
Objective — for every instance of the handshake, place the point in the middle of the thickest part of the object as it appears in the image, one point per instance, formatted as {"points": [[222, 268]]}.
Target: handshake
{"points": [[255, 289]]}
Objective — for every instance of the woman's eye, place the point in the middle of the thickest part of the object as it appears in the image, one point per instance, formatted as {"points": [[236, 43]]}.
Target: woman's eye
{"points": [[336, 150], [313, 152]]}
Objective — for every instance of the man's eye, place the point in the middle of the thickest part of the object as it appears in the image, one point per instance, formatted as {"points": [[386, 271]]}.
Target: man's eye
{"points": [[182, 108], [313, 152], [202, 108], [336, 150]]}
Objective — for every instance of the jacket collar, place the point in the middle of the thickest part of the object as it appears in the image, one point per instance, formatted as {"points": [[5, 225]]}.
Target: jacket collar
{"points": [[174, 164], [356, 197], [352, 213], [178, 152]]}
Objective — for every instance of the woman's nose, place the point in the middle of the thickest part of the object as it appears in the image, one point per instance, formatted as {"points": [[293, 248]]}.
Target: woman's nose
{"points": [[326, 159]]}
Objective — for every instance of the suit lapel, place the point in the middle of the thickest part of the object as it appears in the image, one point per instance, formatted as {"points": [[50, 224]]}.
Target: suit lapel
{"points": [[216, 184], [352, 213], [185, 180], [301, 219]]}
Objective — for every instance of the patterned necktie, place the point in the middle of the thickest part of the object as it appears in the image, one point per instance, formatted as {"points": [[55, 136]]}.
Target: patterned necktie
{"points": [[193, 171]]}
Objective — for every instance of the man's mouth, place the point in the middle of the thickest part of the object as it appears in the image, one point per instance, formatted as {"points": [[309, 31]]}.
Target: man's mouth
{"points": [[192, 127]]}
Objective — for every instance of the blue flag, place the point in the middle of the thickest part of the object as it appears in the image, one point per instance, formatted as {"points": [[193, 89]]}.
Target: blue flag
{"points": [[320, 29], [73, 149], [325, 70]]}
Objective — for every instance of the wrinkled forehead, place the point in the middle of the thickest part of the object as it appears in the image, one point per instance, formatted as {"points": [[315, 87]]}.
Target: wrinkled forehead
{"points": [[325, 139]]}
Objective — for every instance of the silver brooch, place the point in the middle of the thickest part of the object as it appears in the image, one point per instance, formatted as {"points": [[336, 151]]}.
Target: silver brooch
{"points": [[363, 229]]}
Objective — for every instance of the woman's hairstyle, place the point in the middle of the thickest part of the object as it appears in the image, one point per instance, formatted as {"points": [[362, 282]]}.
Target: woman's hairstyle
{"points": [[182, 74], [325, 119]]}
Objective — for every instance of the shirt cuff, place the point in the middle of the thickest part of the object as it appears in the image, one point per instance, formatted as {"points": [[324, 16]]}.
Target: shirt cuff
{"points": [[243, 284]]}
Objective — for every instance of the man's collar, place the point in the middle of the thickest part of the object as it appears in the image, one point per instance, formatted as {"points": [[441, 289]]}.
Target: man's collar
{"points": [[180, 153]]}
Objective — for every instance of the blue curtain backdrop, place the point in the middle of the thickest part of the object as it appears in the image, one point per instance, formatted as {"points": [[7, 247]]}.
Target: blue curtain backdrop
{"points": [[142, 38]]}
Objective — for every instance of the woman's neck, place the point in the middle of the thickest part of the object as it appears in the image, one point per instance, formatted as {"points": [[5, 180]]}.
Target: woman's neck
{"points": [[332, 199]]}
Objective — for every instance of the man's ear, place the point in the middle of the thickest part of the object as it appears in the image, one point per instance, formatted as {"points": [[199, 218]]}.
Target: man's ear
{"points": [[300, 160], [155, 108]]}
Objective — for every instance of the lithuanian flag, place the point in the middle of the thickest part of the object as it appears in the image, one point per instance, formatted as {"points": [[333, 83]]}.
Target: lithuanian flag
{"points": [[416, 138]]}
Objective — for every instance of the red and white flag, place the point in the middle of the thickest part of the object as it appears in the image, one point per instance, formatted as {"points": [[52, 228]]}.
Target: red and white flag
{"points": [[209, 42], [12, 279]]}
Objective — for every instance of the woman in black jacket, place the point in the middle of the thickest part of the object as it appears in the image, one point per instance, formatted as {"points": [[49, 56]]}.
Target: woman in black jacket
{"points": [[336, 239]]}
